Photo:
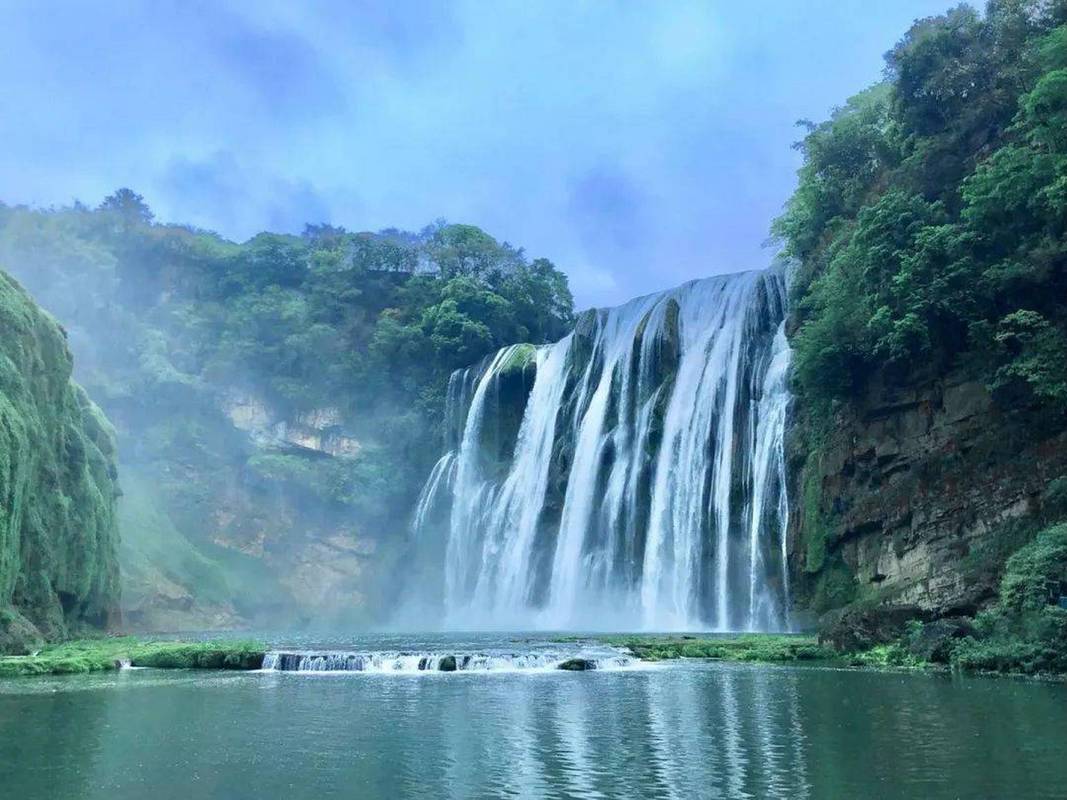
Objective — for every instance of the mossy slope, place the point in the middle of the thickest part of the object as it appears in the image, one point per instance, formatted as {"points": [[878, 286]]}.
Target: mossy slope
{"points": [[58, 529]]}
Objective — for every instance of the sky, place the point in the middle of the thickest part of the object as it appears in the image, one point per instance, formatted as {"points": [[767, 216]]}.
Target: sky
{"points": [[636, 144]]}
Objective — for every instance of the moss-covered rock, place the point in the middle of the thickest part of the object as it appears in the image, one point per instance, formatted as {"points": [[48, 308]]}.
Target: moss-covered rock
{"points": [[447, 664], [577, 665], [58, 530]]}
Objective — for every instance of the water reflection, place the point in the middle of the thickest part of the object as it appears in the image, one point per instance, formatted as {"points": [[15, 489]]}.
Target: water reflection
{"points": [[696, 731]]}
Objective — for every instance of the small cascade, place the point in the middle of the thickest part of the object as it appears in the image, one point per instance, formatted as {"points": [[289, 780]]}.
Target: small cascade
{"points": [[416, 662], [631, 475]]}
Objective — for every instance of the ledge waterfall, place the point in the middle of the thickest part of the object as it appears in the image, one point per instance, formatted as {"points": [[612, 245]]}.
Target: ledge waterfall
{"points": [[631, 475]]}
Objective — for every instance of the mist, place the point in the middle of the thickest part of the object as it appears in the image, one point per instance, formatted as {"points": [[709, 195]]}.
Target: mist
{"points": [[277, 403]]}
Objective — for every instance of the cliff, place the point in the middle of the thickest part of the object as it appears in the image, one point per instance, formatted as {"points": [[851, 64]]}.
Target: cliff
{"points": [[911, 497], [58, 490], [929, 333]]}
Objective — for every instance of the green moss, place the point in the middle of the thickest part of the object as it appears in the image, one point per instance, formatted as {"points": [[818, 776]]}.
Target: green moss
{"points": [[834, 587], [208, 655], [58, 530], [747, 647], [100, 655], [817, 529], [159, 561], [520, 358]]}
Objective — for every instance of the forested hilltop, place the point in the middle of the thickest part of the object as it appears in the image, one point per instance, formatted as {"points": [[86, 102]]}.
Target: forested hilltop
{"points": [[277, 402], [930, 335]]}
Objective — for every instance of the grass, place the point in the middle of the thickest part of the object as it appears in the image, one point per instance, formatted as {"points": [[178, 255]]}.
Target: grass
{"points": [[742, 647], [891, 656], [99, 655]]}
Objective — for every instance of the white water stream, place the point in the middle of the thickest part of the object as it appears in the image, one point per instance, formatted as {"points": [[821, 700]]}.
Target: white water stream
{"points": [[645, 484]]}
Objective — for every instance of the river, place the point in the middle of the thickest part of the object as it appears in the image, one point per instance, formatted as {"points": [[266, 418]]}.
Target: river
{"points": [[672, 730]]}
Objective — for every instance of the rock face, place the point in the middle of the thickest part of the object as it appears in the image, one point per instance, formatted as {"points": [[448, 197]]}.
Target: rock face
{"points": [[58, 490], [915, 495], [320, 430]]}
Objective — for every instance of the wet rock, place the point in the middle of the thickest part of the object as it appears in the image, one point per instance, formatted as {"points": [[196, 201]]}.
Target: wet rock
{"points": [[577, 664], [447, 664], [917, 491]]}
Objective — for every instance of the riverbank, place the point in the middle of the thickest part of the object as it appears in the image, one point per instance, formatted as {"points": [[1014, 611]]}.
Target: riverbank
{"points": [[111, 653], [746, 647], [785, 648], [769, 648]]}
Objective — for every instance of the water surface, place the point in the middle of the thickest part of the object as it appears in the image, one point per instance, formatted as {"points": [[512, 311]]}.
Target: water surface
{"points": [[681, 730]]}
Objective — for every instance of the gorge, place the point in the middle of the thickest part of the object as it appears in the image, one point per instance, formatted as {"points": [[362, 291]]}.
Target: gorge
{"points": [[773, 505]]}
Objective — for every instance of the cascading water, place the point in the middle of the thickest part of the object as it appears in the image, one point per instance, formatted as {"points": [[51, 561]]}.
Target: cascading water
{"points": [[391, 662], [631, 475]]}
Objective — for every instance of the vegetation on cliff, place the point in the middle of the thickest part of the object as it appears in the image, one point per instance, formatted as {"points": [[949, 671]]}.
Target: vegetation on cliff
{"points": [[1026, 630], [929, 229], [930, 221], [58, 532]]}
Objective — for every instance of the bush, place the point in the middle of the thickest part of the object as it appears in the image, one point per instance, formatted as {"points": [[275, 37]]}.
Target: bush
{"points": [[1025, 631]]}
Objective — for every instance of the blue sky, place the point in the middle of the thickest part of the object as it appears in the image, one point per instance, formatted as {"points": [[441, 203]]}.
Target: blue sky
{"points": [[636, 144]]}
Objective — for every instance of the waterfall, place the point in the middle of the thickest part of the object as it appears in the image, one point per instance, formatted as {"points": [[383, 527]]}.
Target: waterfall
{"points": [[431, 661], [631, 475]]}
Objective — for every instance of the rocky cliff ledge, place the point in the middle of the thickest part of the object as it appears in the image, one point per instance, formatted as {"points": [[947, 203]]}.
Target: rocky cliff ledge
{"points": [[913, 496], [58, 530]]}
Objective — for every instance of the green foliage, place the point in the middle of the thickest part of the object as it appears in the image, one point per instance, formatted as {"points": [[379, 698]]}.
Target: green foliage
{"points": [[749, 647], [1036, 643], [58, 534], [104, 654], [1037, 573], [887, 655], [1025, 631], [1033, 356], [378, 320], [930, 219], [166, 319]]}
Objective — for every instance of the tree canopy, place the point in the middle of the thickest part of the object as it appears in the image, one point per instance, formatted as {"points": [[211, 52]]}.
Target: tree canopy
{"points": [[930, 220]]}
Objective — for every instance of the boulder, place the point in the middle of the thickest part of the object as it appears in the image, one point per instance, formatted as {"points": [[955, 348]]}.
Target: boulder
{"points": [[577, 664], [447, 664]]}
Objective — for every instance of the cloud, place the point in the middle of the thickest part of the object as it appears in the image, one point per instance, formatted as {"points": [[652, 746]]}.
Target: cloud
{"points": [[637, 145], [217, 193]]}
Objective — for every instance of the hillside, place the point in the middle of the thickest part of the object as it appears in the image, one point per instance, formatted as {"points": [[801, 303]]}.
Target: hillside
{"points": [[277, 402]]}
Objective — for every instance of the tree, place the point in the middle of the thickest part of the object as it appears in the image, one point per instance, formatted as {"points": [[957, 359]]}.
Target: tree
{"points": [[129, 207]]}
